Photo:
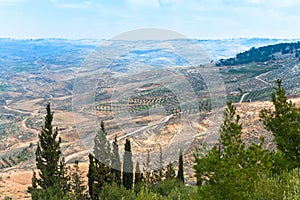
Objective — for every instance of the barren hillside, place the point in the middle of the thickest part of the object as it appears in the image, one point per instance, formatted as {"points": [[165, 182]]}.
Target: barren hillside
{"points": [[15, 180]]}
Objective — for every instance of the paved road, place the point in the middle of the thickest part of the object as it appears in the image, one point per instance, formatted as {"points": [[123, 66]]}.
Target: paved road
{"points": [[167, 118], [242, 98]]}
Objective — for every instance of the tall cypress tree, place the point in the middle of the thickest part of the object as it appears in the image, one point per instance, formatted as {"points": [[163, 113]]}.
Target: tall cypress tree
{"points": [[102, 151], [99, 171], [127, 166], [48, 153], [137, 175], [50, 166], [91, 177], [161, 163], [115, 162], [180, 167]]}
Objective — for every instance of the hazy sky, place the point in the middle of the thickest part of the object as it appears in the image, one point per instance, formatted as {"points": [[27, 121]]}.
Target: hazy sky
{"points": [[107, 18]]}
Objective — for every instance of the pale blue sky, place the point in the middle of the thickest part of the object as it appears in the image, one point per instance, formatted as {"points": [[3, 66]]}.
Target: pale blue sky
{"points": [[201, 19]]}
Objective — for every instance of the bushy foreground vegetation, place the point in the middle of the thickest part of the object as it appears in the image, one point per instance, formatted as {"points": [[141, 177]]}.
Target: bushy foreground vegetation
{"points": [[229, 170]]}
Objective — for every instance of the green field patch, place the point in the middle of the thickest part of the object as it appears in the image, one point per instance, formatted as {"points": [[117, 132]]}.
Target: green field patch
{"points": [[252, 70], [3, 87], [25, 68], [262, 94]]}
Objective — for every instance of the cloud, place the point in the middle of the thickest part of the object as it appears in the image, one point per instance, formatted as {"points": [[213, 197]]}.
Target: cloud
{"points": [[10, 2], [276, 3], [285, 3], [256, 1], [143, 3], [72, 5]]}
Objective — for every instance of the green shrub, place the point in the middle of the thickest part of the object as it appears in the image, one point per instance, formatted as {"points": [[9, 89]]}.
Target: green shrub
{"points": [[146, 194], [114, 191], [51, 193], [165, 187], [184, 193], [285, 186], [175, 190]]}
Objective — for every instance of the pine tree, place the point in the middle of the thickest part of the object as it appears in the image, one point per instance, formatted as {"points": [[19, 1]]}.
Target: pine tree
{"points": [[50, 166], [284, 122], [102, 151], [99, 170], [48, 153], [180, 176], [115, 162], [170, 173], [127, 166], [229, 167], [64, 177], [33, 189], [232, 166], [77, 184]]}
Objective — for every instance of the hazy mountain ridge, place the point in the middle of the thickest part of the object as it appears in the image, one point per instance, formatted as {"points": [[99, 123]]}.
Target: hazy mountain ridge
{"points": [[37, 54]]}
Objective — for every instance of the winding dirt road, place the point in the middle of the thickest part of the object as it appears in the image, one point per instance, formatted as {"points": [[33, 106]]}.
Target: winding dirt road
{"points": [[265, 82]]}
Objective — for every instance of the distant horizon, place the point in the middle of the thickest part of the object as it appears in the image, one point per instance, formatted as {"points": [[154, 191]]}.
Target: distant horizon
{"points": [[87, 38]]}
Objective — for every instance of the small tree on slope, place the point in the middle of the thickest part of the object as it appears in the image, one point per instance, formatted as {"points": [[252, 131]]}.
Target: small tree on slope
{"points": [[180, 176], [127, 166]]}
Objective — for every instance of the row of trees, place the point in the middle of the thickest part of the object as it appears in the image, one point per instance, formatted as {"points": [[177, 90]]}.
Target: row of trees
{"points": [[262, 54], [230, 170], [57, 181]]}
